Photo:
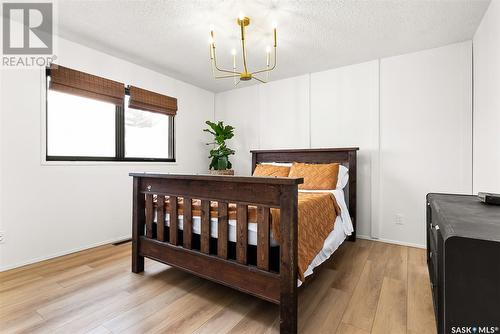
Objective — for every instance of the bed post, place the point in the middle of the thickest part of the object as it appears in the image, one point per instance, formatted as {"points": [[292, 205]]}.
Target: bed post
{"points": [[137, 226], [288, 259], [352, 190]]}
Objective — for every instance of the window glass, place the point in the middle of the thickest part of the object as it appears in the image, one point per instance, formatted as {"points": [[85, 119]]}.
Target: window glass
{"points": [[78, 126], [146, 134]]}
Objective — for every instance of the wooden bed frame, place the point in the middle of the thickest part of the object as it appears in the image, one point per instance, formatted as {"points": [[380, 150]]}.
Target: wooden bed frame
{"points": [[212, 258]]}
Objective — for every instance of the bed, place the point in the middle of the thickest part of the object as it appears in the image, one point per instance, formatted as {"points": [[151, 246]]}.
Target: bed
{"points": [[222, 227]]}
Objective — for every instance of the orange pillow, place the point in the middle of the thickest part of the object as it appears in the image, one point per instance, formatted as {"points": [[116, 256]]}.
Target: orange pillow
{"points": [[271, 170], [316, 176]]}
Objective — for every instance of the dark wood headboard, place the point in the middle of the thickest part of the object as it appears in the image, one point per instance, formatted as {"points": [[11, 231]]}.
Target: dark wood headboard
{"points": [[344, 156]]}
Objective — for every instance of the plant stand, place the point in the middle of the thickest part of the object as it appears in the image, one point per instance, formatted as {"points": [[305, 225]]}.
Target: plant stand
{"points": [[221, 172]]}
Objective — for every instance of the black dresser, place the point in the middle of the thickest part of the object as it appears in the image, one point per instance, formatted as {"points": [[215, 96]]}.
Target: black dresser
{"points": [[463, 257]]}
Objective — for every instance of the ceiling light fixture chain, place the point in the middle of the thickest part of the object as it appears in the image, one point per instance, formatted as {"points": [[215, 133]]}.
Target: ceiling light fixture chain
{"points": [[245, 75]]}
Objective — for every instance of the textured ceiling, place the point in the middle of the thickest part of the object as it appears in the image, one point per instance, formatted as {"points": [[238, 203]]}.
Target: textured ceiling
{"points": [[171, 37]]}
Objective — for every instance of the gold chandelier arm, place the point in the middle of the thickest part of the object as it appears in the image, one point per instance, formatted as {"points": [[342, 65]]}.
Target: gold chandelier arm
{"points": [[244, 75], [214, 59], [227, 76], [243, 46], [260, 80], [269, 68]]}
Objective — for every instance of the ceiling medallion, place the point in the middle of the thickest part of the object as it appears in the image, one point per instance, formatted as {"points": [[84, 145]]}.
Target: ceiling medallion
{"points": [[245, 74]]}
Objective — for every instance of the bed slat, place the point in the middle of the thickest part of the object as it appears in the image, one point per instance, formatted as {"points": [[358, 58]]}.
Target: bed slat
{"points": [[242, 233], [222, 230], [149, 215], [188, 222], [205, 226], [263, 238], [173, 220], [160, 218]]}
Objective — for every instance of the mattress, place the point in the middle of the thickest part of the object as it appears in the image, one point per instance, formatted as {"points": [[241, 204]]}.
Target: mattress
{"points": [[196, 221], [342, 228]]}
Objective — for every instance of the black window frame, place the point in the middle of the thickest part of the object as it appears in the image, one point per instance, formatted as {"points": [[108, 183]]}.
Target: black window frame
{"points": [[119, 137]]}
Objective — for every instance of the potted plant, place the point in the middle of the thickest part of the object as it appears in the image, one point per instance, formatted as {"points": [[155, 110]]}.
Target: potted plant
{"points": [[219, 155]]}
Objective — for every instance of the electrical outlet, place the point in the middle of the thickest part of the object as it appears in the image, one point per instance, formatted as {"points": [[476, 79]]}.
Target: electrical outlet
{"points": [[399, 219], [2, 237]]}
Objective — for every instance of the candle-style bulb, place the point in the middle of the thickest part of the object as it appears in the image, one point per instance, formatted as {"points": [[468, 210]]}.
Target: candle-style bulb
{"points": [[233, 52], [274, 35]]}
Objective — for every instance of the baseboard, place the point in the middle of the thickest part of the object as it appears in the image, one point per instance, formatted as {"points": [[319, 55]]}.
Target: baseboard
{"points": [[402, 243], [116, 240], [58, 254]]}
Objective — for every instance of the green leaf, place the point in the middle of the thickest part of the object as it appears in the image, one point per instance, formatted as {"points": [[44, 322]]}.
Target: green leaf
{"points": [[209, 131], [213, 164], [220, 153]]}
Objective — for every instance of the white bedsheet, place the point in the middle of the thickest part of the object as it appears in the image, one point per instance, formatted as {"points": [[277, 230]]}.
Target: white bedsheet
{"points": [[342, 228]]}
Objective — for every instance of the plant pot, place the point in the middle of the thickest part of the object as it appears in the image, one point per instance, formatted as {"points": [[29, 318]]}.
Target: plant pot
{"points": [[221, 172]]}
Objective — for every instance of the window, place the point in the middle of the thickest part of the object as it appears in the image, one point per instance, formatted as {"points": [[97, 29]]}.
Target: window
{"points": [[145, 133], [78, 126], [93, 122]]}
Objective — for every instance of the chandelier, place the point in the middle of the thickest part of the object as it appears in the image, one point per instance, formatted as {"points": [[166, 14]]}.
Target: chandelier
{"points": [[244, 74]]}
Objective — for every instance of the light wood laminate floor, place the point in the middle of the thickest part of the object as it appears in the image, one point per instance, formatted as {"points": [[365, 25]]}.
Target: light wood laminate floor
{"points": [[368, 287]]}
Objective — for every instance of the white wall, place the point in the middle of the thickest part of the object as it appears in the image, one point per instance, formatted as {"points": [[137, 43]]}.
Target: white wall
{"points": [[265, 116], [240, 108], [344, 113], [284, 121], [1, 159], [487, 102], [50, 209], [425, 134], [410, 115]]}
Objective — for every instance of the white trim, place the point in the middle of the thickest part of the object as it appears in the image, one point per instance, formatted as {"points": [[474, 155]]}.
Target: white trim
{"points": [[58, 254], [310, 111], [402, 243], [43, 117], [106, 163], [79, 249], [375, 167]]}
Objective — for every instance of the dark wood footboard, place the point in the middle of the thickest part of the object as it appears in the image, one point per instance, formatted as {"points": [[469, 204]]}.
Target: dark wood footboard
{"points": [[208, 259], [221, 260]]}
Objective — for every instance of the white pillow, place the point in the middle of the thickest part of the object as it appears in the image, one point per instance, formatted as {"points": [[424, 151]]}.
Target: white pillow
{"points": [[283, 164], [342, 178]]}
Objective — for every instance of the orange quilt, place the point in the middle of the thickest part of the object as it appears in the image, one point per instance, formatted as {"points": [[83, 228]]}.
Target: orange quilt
{"points": [[317, 213], [316, 217]]}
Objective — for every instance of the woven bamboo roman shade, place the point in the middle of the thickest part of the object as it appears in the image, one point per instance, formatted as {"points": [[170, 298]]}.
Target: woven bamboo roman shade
{"points": [[74, 82], [151, 101]]}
